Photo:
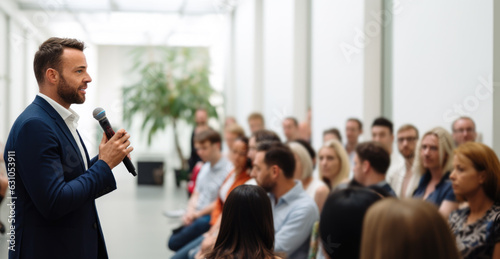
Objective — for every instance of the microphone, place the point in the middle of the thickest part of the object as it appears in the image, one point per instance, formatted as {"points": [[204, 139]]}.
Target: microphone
{"points": [[100, 115]]}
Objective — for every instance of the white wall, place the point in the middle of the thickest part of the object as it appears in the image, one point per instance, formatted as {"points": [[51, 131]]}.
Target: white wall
{"points": [[3, 82], [244, 93], [344, 55], [443, 64]]}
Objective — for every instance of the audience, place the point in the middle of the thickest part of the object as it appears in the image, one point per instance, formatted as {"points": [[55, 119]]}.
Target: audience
{"points": [[247, 229], [476, 179], [201, 121], [370, 166], [294, 212], [330, 134], [353, 129], [342, 220], [333, 163], [241, 221], [434, 163], [256, 122], [409, 229], [196, 220], [403, 181], [464, 130], [314, 187], [238, 176], [291, 129]]}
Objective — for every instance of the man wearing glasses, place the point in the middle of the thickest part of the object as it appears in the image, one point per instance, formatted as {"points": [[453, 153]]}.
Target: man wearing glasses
{"points": [[403, 181], [464, 130]]}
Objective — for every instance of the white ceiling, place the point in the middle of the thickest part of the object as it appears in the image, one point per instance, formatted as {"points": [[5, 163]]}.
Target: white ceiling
{"points": [[133, 22]]}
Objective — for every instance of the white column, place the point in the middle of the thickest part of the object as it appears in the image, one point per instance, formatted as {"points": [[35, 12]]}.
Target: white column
{"points": [[443, 64], [284, 61], [245, 93], [346, 64]]}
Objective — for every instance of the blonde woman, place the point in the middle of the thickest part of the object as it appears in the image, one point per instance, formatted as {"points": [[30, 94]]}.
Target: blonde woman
{"points": [[476, 179], [434, 163], [314, 187], [421, 232], [333, 163]]}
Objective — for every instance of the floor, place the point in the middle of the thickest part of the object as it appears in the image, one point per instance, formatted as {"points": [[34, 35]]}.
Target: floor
{"points": [[131, 217]]}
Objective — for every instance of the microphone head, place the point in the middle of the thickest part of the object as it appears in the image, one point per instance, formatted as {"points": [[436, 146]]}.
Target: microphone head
{"points": [[99, 113]]}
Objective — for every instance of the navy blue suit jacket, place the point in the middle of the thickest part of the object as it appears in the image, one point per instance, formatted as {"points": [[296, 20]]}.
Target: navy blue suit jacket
{"points": [[55, 212]]}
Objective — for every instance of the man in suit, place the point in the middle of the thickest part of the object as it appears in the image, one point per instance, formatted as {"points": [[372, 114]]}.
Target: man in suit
{"points": [[55, 183]]}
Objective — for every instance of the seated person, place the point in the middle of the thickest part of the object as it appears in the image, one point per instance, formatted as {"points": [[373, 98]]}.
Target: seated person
{"points": [[434, 163], [197, 217], [247, 229], [371, 162], [238, 176], [294, 212], [342, 220], [409, 229], [476, 179]]}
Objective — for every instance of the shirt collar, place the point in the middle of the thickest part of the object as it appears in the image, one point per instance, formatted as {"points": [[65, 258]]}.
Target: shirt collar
{"points": [[428, 177], [66, 114], [291, 194]]}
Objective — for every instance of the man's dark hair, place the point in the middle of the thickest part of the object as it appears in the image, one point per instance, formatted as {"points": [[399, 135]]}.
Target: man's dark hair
{"points": [[335, 132], [295, 121], [280, 155], [49, 55], [375, 154], [209, 135], [265, 135], [383, 122], [360, 124]]}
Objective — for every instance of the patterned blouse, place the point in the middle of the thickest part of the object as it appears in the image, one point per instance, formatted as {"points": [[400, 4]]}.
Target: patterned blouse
{"points": [[476, 240]]}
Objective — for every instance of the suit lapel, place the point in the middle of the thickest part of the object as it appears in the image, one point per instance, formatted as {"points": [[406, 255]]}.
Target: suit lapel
{"points": [[62, 125]]}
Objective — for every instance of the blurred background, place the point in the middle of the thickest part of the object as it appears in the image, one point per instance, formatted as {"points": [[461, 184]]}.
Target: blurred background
{"points": [[421, 62]]}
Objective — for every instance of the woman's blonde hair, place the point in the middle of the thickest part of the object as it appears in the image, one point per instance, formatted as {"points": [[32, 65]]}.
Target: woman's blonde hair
{"points": [[446, 146], [483, 158], [344, 162], [408, 228], [304, 157]]}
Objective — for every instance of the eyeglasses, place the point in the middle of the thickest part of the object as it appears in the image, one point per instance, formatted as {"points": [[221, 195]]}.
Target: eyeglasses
{"points": [[408, 139], [463, 130]]}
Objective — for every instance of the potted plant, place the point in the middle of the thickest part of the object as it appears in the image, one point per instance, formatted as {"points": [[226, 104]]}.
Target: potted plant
{"points": [[173, 84]]}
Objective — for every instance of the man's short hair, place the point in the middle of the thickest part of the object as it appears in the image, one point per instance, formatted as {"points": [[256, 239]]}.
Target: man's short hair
{"points": [[383, 122], [266, 135], [406, 127], [360, 124], [280, 155], [333, 131], [256, 116], [209, 135], [375, 154], [49, 55], [462, 118], [295, 121]]}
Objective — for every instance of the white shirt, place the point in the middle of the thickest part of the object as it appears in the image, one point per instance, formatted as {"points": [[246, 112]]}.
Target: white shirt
{"points": [[71, 118]]}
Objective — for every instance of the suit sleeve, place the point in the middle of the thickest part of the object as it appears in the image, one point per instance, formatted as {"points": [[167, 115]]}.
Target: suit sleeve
{"points": [[41, 168]]}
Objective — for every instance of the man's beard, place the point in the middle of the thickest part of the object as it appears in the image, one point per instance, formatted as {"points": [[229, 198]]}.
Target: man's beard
{"points": [[409, 156], [69, 94]]}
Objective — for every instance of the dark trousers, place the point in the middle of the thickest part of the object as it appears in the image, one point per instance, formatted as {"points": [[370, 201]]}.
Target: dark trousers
{"points": [[188, 233]]}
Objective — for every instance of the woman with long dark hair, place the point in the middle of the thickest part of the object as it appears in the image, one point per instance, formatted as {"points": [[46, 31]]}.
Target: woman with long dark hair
{"points": [[247, 228]]}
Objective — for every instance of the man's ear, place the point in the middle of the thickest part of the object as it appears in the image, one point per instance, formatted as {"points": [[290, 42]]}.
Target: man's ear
{"points": [[275, 170], [52, 76], [365, 166]]}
